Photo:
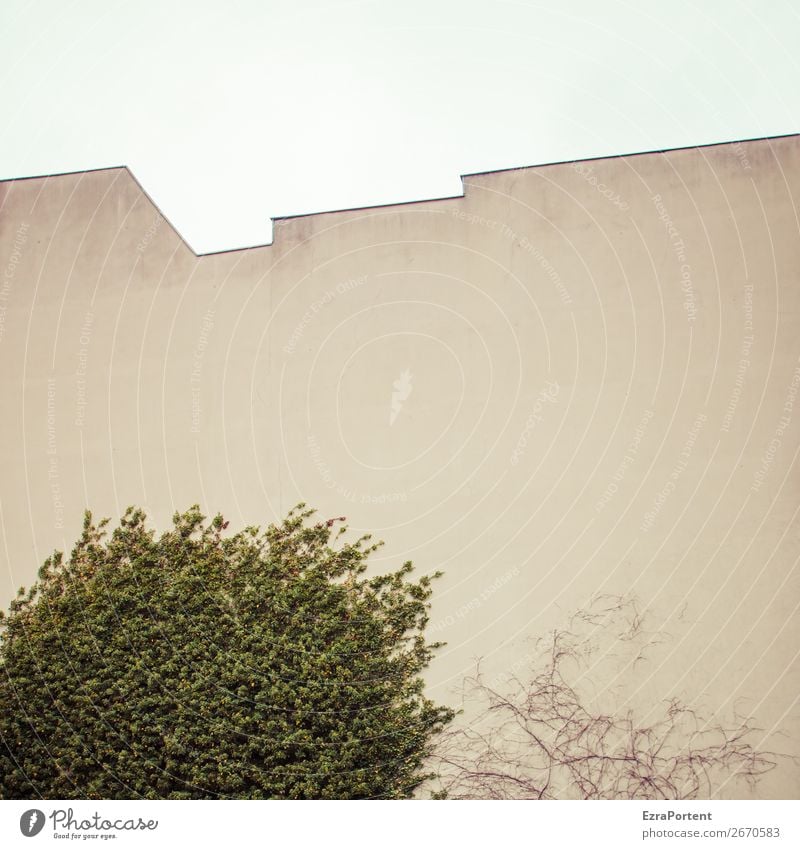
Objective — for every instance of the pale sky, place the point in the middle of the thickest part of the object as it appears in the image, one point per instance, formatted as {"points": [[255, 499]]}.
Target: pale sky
{"points": [[231, 112]]}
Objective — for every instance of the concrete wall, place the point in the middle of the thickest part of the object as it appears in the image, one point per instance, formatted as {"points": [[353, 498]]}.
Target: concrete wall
{"points": [[575, 379]]}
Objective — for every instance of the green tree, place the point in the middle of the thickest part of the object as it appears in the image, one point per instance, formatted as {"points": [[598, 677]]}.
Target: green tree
{"points": [[265, 664]]}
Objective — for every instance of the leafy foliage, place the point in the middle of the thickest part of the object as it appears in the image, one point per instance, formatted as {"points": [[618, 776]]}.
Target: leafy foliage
{"points": [[261, 665]]}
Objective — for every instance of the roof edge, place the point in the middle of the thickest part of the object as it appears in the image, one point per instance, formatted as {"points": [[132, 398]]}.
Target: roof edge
{"points": [[635, 153], [283, 218], [531, 167]]}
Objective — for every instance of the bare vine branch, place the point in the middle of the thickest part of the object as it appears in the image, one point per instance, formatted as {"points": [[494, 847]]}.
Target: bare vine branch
{"points": [[542, 738]]}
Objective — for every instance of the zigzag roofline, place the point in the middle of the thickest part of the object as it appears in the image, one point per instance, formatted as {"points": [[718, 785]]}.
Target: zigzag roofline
{"points": [[283, 218]]}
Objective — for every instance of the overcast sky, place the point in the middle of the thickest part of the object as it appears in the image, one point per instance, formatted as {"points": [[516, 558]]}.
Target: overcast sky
{"points": [[231, 112]]}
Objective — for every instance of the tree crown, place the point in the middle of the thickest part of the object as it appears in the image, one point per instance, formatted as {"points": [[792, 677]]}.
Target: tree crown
{"points": [[191, 665]]}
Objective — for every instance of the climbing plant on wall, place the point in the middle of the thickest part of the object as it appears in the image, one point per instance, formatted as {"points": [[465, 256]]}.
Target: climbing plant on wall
{"points": [[264, 664]]}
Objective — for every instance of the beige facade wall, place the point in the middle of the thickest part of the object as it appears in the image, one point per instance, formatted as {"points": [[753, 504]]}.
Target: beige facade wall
{"points": [[575, 379]]}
